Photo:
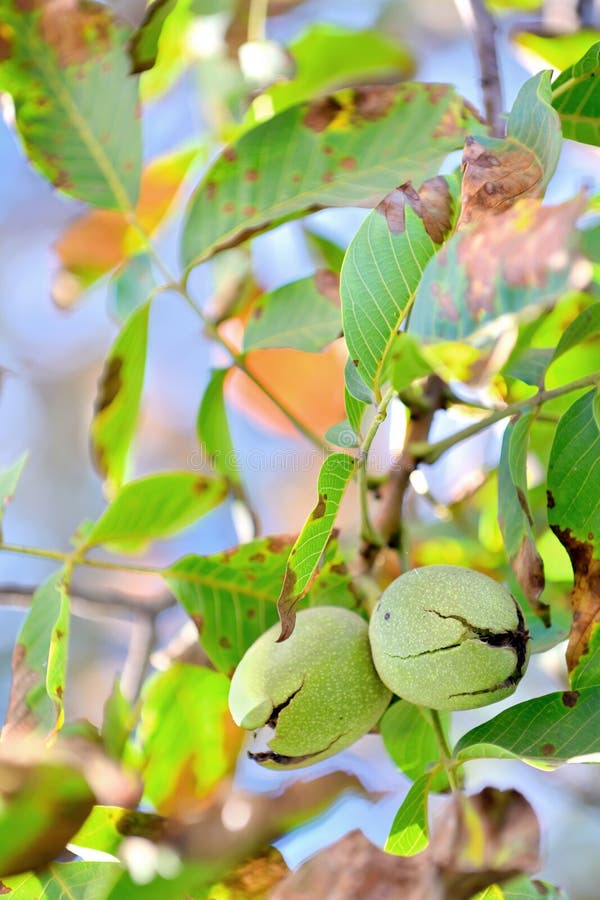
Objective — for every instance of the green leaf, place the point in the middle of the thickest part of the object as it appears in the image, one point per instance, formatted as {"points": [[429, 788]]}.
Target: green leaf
{"points": [[535, 124], [383, 266], [576, 97], [9, 478], [212, 428], [303, 315], [143, 45], [409, 737], [188, 740], [231, 595], [514, 514], [155, 507], [191, 881], [118, 399], [43, 805], [327, 252], [550, 729], [118, 721], [39, 664], [521, 888], [405, 361], [409, 833], [65, 881], [357, 396], [57, 63], [587, 671], [106, 826], [559, 50], [131, 286], [335, 151], [342, 435], [336, 472], [584, 327], [327, 58]]}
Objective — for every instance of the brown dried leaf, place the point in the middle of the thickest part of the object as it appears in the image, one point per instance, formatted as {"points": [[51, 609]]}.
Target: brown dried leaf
{"points": [[585, 596], [254, 878], [528, 567], [494, 180], [432, 203]]}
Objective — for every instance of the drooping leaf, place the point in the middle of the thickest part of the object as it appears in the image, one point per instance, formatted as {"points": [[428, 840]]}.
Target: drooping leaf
{"points": [[212, 428], [558, 50], [384, 265], [335, 474], [576, 97], [155, 507], [39, 662], [9, 479], [304, 315], [409, 737], [584, 327], [188, 739], [65, 881], [534, 124], [550, 729], [515, 261], [231, 595], [107, 826], [118, 399], [143, 45], [339, 150], [574, 513], [100, 240], [514, 515], [56, 61], [357, 396], [409, 833], [587, 671]]}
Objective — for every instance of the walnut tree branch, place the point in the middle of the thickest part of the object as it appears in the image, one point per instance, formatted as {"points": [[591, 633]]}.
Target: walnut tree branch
{"points": [[481, 22]]}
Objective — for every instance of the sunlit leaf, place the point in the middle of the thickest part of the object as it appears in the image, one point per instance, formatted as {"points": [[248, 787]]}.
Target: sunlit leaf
{"points": [[574, 513], [576, 97], [189, 741], [336, 472], [409, 737], [212, 428], [155, 507], [558, 50], [303, 314], [340, 150], [65, 881], [549, 729], [118, 399], [56, 62], [384, 265], [522, 888], [39, 662], [409, 833]]}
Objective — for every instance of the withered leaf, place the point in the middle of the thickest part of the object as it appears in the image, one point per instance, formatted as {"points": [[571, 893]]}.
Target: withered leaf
{"points": [[432, 203]]}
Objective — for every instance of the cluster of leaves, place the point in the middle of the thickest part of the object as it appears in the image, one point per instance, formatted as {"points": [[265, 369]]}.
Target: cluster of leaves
{"points": [[465, 278]]}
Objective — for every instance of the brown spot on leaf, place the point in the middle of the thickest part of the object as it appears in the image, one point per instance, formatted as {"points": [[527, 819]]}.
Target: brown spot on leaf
{"points": [[524, 504], [4, 889], [198, 621], [200, 485], [348, 163], [6, 43], [251, 175], [321, 113], [258, 558], [585, 596], [548, 749], [296, 178], [257, 312], [392, 209], [228, 208], [570, 698], [328, 284], [339, 568], [279, 543], [211, 190], [286, 605], [225, 643], [374, 102], [328, 177], [109, 384], [550, 500], [76, 31], [528, 567], [136, 824], [251, 613], [249, 210], [327, 149], [319, 510], [432, 203], [59, 634], [60, 691], [229, 154]]}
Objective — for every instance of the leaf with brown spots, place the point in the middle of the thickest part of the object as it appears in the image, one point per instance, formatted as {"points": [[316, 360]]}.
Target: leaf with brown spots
{"points": [[516, 262], [154, 507], [551, 729], [253, 879], [304, 315], [39, 663], [574, 514], [514, 515], [384, 265], [390, 131], [118, 400], [188, 740], [57, 59], [305, 555], [498, 172]]}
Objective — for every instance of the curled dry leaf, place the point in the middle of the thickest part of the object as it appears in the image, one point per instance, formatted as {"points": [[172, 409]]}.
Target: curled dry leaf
{"points": [[432, 203], [481, 840]]}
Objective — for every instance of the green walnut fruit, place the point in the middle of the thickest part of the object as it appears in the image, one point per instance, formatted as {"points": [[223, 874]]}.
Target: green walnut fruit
{"points": [[449, 638], [311, 695]]}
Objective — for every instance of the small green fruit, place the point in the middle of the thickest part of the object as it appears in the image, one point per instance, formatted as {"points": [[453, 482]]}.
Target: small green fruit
{"points": [[313, 694], [449, 638]]}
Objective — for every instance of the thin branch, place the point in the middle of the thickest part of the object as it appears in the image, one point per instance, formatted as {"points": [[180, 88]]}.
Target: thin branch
{"points": [[429, 453], [142, 641], [481, 22], [98, 606]]}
